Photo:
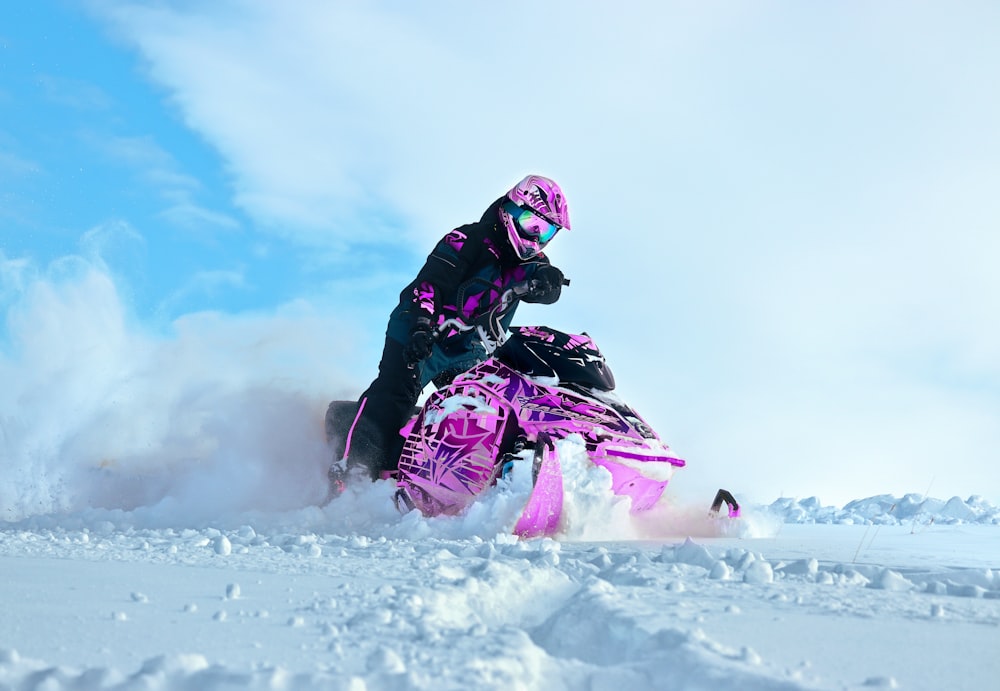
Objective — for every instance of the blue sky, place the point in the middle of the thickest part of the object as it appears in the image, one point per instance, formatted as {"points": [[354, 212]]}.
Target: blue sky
{"points": [[91, 148], [784, 214]]}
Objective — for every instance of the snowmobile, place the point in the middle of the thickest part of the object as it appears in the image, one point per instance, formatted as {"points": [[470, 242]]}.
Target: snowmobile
{"points": [[537, 387]]}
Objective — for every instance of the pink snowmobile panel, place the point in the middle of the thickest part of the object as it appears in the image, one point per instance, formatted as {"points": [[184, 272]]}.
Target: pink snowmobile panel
{"points": [[540, 385]]}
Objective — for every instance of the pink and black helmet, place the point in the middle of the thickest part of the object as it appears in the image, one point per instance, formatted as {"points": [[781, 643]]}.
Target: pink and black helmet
{"points": [[534, 211]]}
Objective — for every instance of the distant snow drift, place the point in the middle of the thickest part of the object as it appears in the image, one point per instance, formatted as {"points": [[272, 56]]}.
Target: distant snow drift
{"points": [[886, 509]]}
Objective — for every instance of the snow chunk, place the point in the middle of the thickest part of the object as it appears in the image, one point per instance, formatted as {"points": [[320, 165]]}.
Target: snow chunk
{"points": [[222, 546], [720, 571], [759, 573], [958, 509], [891, 580], [965, 590], [174, 665], [694, 554], [803, 567], [385, 660]]}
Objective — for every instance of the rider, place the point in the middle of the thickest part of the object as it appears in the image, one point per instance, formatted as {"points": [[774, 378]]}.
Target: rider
{"points": [[464, 276]]}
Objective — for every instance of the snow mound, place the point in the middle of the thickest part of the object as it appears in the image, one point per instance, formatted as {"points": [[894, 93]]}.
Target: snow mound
{"points": [[104, 606]]}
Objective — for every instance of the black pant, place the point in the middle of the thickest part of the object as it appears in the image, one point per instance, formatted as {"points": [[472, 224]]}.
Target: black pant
{"points": [[388, 403]]}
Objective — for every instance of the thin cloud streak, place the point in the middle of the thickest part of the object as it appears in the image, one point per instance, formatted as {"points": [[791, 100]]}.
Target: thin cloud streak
{"points": [[160, 170]]}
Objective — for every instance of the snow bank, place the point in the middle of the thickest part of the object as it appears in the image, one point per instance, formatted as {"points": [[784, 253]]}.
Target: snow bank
{"points": [[886, 509], [109, 606]]}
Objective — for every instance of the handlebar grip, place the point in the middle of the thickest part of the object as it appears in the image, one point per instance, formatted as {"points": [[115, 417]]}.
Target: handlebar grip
{"points": [[523, 288]]}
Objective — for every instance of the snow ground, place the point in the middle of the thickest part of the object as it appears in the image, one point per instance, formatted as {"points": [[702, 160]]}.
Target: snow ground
{"points": [[793, 596]]}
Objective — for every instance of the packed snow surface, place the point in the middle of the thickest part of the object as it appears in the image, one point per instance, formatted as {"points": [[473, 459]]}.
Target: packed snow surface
{"points": [[883, 593]]}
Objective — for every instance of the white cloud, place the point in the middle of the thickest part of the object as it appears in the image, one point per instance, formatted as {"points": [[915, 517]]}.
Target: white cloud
{"points": [[368, 109], [784, 216]]}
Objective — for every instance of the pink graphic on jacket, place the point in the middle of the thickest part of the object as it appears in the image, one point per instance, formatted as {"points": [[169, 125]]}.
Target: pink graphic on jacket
{"points": [[456, 239], [482, 301], [424, 298]]}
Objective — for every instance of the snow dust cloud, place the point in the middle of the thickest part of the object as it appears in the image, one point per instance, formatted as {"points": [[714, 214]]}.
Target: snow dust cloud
{"points": [[219, 421], [224, 413]]}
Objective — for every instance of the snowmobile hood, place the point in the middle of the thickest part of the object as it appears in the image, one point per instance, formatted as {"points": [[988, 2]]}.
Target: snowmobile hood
{"points": [[540, 351]]}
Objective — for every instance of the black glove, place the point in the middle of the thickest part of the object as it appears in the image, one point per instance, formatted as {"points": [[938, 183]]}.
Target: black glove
{"points": [[421, 341], [546, 285]]}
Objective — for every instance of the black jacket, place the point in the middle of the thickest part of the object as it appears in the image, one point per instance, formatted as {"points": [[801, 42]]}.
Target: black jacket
{"points": [[464, 275]]}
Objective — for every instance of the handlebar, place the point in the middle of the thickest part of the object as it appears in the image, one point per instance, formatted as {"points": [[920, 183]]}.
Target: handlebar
{"points": [[525, 287]]}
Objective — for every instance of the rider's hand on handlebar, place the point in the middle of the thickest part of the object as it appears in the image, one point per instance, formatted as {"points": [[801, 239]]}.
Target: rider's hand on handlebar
{"points": [[421, 341], [546, 285]]}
